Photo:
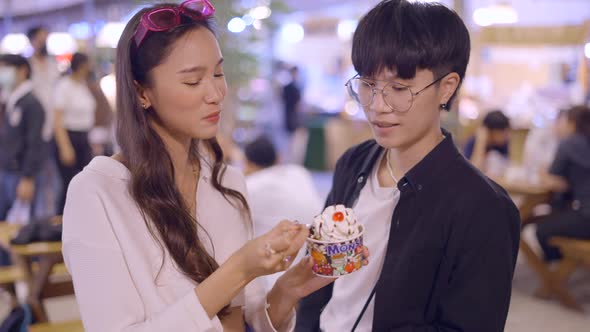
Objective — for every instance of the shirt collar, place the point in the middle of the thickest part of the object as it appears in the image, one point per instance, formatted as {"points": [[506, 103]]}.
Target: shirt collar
{"points": [[422, 173]]}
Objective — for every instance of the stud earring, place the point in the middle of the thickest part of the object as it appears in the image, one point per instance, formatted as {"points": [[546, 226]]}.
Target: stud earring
{"points": [[444, 106]]}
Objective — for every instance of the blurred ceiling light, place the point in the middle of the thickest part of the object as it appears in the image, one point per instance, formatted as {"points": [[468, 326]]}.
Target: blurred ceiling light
{"points": [[236, 25], [15, 43], [108, 85], [110, 34], [80, 30], [248, 19], [292, 33], [260, 12], [496, 14], [351, 107], [587, 50], [346, 29], [257, 24], [59, 43]]}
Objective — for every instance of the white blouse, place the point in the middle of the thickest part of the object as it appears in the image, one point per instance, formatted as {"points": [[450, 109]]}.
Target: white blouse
{"points": [[114, 261], [77, 103]]}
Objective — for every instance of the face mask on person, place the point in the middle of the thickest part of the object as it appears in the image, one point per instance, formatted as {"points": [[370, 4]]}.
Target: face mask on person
{"points": [[7, 78]]}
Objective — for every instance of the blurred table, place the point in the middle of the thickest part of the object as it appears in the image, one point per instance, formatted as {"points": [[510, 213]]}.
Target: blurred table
{"points": [[71, 326], [46, 255], [529, 196]]}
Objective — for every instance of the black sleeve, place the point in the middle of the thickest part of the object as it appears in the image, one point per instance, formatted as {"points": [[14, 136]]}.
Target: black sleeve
{"points": [[561, 161], [478, 294], [33, 120]]}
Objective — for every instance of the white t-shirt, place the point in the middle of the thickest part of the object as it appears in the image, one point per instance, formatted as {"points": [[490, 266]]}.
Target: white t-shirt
{"points": [[45, 76], [374, 209], [281, 192], [77, 103]]}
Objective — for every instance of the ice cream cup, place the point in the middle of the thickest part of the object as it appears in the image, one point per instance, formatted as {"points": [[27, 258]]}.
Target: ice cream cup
{"points": [[333, 259]]}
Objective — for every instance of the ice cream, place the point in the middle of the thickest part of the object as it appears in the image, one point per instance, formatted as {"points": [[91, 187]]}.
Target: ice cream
{"points": [[336, 242], [336, 223]]}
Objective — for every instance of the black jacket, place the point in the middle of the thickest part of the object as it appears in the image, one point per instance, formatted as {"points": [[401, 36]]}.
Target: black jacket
{"points": [[452, 246], [22, 149]]}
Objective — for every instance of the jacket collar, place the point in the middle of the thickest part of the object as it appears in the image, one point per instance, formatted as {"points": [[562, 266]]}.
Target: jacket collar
{"points": [[423, 173], [22, 90]]}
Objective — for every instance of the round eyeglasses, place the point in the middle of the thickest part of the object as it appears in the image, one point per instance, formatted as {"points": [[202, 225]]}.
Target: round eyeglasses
{"points": [[397, 96]]}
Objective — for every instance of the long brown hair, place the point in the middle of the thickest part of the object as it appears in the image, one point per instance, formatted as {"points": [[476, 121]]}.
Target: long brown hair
{"points": [[152, 184]]}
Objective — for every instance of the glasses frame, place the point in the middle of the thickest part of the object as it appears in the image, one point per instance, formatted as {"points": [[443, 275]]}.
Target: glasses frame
{"points": [[146, 24], [374, 90]]}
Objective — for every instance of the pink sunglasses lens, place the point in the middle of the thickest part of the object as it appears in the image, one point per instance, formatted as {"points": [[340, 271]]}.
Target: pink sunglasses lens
{"points": [[198, 8], [163, 19]]}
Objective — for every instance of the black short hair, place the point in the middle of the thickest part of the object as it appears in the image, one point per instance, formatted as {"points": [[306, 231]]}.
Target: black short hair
{"points": [[78, 59], [34, 30], [409, 36], [261, 152], [17, 61], [496, 120]]}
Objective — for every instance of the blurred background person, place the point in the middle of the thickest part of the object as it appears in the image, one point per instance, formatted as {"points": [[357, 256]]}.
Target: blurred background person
{"points": [[541, 143], [570, 171], [277, 191], [291, 100], [488, 150], [21, 124], [44, 76], [75, 108]]}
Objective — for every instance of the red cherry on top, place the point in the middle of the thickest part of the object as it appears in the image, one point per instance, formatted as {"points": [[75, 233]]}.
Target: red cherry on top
{"points": [[338, 216]]}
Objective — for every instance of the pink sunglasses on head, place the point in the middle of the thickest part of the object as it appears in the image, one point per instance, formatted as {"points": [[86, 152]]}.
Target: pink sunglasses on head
{"points": [[166, 18]]}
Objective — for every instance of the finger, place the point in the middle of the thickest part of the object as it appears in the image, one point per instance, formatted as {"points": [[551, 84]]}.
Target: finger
{"points": [[366, 252], [278, 244], [282, 227], [297, 243]]}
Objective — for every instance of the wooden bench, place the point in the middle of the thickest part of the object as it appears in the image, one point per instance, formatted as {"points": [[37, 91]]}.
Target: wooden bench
{"points": [[575, 253], [71, 326]]}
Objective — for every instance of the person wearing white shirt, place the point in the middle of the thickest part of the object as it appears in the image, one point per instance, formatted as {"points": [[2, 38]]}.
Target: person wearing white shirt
{"points": [[44, 76], [277, 191], [157, 238], [75, 107]]}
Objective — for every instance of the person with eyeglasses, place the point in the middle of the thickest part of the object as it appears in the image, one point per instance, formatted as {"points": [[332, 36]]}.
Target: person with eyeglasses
{"points": [[158, 237], [443, 237]]}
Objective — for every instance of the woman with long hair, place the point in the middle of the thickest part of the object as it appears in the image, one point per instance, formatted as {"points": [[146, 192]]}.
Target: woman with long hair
{"points": [[157, 238]]}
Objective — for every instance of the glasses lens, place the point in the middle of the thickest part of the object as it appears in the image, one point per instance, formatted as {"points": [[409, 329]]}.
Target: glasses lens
{"points": [[398, 97], [163, 19], [360, 91], [198, 8]]}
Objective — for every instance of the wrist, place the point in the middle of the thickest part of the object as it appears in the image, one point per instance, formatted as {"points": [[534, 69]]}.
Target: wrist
{"points": [[236, 266], [279, 306], [281, 295]]}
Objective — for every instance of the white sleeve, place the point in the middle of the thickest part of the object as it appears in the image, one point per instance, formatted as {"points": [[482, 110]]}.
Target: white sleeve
{"points": [[256, 313], [60, 94], [105, 291]]}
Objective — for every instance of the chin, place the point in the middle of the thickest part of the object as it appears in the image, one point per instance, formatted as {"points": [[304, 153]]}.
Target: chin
{"points": [[395, 142], [205, 133]]}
